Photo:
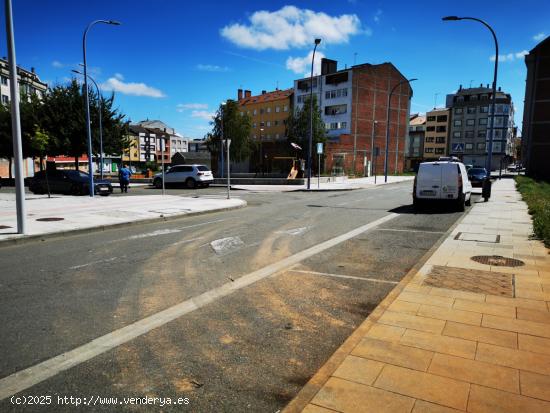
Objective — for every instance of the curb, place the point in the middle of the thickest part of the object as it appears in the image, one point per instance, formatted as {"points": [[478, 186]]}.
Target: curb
{"points": [[79, 231], [314, 385]]}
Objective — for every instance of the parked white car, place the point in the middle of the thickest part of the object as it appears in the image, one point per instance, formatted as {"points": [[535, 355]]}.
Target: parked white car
{"points": [[191, 176], [442, 180]]}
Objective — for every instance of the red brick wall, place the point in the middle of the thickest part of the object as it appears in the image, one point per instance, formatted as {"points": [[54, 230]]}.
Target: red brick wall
{"points": [[371, 87]]}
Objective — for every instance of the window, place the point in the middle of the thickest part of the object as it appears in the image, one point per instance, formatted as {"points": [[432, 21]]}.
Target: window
{"points": [[484, 109], [242, 113], [5, 99], [470, 122], [442, 118], [255, 112], [457, 134], [482, 134], [429, 139], [480, 146], [469, 146], [458, 111], [276, 136], [4, 80], [429, 150], [441, 129], [431, 119], [458, 122], [261, 111], [254, 125], [276, 123], [469, 134], [269, 124], [336, 110], [471, 109], [285, 109], [483, 121], [430, 129], [484, 96], [440, 150], [277, 109], [268, 110], [440, 139], [460, 98], [473, 97], [262, 124]]}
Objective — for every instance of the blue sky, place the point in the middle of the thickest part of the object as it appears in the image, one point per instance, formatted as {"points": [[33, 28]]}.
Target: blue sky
{"points": [[175, 60]]}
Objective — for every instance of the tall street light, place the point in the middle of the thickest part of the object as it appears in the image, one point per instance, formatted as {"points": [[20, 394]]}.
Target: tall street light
{"points": [[310, 146], [15, 124], [388, 126], [487, 182], [227, 143], [86, 98], [99, 98]]}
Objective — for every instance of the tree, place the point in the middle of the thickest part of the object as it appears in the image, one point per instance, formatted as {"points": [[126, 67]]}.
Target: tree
{"points": [[298, 125], [237, 127], [6, 142]]}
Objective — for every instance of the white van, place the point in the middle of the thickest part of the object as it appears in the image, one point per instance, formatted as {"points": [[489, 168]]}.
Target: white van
{"points": [[442, 180]]}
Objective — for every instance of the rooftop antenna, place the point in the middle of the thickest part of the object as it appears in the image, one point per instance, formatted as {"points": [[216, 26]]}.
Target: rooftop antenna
{"points": [[355, 58], [471, 82], [277, 88], [435, 99]]}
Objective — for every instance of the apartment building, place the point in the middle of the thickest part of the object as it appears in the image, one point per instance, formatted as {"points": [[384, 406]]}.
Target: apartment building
{"points": [[353, 104], [414, 150], [470, 123], [29, 82], [437, 132], [535, 149], [268, 113]]}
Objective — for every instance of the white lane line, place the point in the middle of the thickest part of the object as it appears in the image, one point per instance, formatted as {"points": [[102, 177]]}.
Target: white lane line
{"points": [[27, 378], [165, 231], [186, 241], [76, 267], [346, 276], [293, 231], [409, 230]]}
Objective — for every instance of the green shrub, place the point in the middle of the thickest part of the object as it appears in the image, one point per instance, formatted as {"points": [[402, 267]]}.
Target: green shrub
{"points": [[537, 196]]}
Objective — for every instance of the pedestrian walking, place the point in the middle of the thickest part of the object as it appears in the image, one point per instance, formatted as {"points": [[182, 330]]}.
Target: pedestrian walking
{"points": [[124, 175]]}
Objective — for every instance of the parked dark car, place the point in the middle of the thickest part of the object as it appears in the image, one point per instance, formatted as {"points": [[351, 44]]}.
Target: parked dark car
{"points": [[68, 182], [477, 176]]}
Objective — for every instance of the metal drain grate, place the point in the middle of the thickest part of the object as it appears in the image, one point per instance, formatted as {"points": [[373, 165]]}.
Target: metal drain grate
{"points": [[50, 219], [476, 281], [497, 261]]}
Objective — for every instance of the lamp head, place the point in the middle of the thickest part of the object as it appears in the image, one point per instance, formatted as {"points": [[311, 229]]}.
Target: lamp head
{"points": [[413, 79], [450, 18], [317, 41], [76, 71], [113, 22]]}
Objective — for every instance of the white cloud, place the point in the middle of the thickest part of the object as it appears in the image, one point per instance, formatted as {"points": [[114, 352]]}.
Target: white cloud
{"points": [[181, 107], [212, 68], [510, 57], [119, 76], [538, 37], [137, 89], [291, 27], [377, 15], [202, 114], [57, 64], [302, 65]]}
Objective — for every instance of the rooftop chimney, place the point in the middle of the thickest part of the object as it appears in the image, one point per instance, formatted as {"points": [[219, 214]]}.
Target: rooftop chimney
{"points": [[239, 94], [32, 70], [487, 85], [499, 89], [263, 92], [460, 88], [247, 93], [481, 85]]}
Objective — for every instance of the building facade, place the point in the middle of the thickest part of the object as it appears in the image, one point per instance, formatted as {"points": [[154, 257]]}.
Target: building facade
{"points": [[29, 82], [353, 104], [470, 123], [436, 140], [414, 149], [535, 151]]}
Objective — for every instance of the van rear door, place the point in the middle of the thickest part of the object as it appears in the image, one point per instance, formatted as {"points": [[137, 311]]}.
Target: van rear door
{"points": [[449, 181], [428, 183]]}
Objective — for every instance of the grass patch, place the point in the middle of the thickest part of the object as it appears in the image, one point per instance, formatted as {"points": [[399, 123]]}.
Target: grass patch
{"points": [[537, 196]]}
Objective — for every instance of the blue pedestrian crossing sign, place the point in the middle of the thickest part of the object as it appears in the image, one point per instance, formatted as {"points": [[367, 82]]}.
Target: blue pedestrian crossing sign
{"points": [[458, 147], [319, 148]]}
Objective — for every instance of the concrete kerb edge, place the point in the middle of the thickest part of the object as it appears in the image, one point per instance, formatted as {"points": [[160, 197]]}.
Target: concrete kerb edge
{"points": [[312, 387], [42, 237]]}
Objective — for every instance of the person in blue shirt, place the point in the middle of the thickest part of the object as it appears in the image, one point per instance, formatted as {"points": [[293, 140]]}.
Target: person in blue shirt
{"points": [[124, 175]]}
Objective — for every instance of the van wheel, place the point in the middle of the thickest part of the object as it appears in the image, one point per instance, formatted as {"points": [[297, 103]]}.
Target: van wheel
{"points": [[461, 204], [416, 204], [190, 183], [469, 201]]}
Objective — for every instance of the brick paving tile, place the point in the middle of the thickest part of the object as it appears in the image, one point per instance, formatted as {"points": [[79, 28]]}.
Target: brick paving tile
{"points": [[481, 334], [428, 387], [534, 315], [359, 370], [420, 406], [404, 307], [415, 288], [426, 299], [349, 397], [534, 344], [518, 359], [535, 385], [519, 326], [487, 400], [485, 308], [516, 302], [311, 408], [393, 353], [385, 332], [466, 295], [459, 316], [429, 325], [440, 344], [473, 371]]}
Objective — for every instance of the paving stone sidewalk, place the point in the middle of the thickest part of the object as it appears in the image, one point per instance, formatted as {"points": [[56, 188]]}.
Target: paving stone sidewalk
{"points": [[456, 335]]}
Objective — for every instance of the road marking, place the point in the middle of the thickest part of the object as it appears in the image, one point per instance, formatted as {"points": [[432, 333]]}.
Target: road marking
{"points": [[76, 267], [186, 241], [293, 231], [346, 276], [33, 375], [409, 230], [165, 231], [224, 245]]}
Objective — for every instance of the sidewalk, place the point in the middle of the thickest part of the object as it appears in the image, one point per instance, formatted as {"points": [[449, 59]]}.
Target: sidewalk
{"points": [[60, 214], [456, 335], [349, 184]]}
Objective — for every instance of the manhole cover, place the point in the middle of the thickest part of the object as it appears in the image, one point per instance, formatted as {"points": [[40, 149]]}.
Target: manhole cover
{"points": [[497, 261], [4, 226], [476, 281], [50, 219]]}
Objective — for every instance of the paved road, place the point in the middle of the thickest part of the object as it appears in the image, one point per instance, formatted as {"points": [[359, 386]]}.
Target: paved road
{"points": [[250, 350]]}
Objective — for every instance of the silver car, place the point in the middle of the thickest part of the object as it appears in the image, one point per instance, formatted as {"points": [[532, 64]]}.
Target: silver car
{"points": [[191, 176]]}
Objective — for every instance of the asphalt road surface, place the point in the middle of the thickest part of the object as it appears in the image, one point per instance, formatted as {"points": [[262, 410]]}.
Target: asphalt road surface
{"points": [[258, 299]]}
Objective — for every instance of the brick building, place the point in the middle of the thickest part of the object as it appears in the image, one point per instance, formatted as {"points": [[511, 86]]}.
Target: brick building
{"points": [[353, 104]]}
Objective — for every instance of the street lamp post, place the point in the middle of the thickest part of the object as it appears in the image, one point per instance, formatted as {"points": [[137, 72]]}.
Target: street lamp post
{"points": [[374, 123], [486, 191], [86, 98], [310, 146], [15, 124], [99, 98], [227, 143], [388, 126]]}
